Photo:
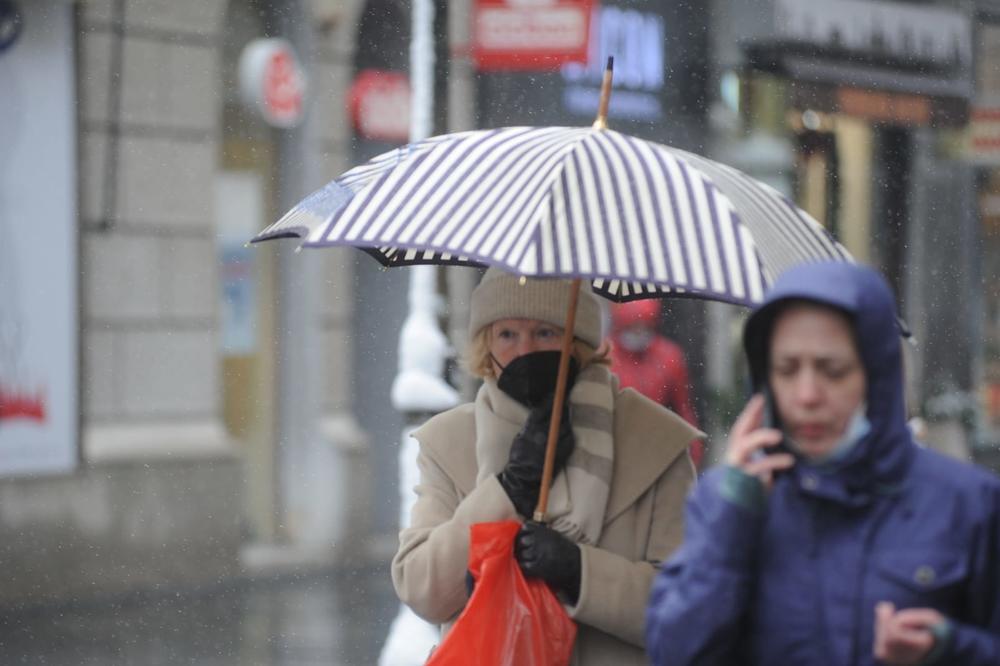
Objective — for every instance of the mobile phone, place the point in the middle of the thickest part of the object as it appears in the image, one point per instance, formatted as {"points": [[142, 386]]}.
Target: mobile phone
{"points": [[771, 420]]}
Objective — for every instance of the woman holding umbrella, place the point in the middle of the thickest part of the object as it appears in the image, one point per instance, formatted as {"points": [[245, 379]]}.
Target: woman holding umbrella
{"points": [[622, 473], [831, 537]]}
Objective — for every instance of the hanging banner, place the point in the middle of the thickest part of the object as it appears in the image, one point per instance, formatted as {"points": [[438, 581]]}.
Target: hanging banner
{"points": [[538, 35], [38, 246]]}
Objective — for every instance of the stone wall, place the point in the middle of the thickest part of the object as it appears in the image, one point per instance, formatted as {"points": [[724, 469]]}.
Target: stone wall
{"points": [[157, 499]]}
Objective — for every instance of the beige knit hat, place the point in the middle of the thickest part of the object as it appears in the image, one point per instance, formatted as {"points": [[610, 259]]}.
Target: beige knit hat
{"points": [[501, 295]]}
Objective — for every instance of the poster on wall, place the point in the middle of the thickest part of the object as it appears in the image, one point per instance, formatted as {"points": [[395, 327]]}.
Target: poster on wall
{"points": [[38, 244]]}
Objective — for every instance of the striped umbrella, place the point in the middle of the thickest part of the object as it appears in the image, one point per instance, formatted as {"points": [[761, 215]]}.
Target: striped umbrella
{"points": [[638, 218]]}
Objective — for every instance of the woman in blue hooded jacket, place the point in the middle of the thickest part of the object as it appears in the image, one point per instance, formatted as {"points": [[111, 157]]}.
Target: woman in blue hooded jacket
{"points": [[831, 538]]}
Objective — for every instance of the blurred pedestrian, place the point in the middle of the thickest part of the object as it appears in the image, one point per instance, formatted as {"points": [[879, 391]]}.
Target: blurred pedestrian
{"points": [[617, 496], [831, 538], [651, 363]]}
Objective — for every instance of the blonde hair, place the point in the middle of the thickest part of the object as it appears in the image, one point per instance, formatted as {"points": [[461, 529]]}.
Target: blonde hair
{"points": [[478, 363]]}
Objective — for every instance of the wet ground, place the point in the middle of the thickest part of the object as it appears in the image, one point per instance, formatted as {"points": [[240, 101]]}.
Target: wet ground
{"points": [[334, 619]]}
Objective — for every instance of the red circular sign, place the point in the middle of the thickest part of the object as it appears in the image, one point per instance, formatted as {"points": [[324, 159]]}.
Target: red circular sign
{"points": [[272, 82], [282, 85]]}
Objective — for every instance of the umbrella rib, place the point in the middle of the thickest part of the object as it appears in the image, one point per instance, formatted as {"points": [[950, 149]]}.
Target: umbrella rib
{"points": [[681, 210], [510, 240], [452, 233], [767, 217], [655, 243], [718, 222], [513, 243], [621, 175], [590, 205], [570, 176], [763, 219], [611, 209], [460, 182], [412, 211], [503, 180], [731, 242]]}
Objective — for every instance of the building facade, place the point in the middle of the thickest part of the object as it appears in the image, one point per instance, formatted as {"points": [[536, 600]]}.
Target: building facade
{"points": [[233, 402], [858, 111], [216, 431]]}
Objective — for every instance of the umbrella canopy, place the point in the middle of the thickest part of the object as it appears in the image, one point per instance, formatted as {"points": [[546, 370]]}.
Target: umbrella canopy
{"points": [[638, 218]]}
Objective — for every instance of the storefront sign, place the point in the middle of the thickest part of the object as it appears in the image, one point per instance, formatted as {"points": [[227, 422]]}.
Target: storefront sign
{"points": [[983, 134], [38, 274], [637, 40], [880, 105], [890, 61], [903, 32], [272, 82], [530, 34], [379, 104]]}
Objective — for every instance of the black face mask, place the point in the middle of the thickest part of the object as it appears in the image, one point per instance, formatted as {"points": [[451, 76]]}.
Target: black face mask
{"points": [[531, 379]]}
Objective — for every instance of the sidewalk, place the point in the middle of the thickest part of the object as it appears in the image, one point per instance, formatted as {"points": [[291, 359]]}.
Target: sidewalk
{"points": [[333, 618]]}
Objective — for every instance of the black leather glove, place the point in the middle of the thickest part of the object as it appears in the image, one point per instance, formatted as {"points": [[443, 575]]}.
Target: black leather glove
{"points": [[470, 583], [521, 477], [544, 553]]}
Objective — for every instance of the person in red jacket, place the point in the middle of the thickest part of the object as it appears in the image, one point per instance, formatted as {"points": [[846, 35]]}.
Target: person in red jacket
{"points": [[650, 363]]}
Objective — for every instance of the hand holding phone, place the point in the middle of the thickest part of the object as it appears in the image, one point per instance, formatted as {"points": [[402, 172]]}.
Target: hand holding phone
{"points": [[756, 448]]}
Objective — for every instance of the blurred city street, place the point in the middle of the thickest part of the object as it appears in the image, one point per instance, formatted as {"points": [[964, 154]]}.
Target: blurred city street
{"points": [[334, 619], [175, 395]]}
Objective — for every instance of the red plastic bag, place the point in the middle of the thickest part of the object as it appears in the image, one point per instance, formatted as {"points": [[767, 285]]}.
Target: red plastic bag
{"points": [[509, 621]]}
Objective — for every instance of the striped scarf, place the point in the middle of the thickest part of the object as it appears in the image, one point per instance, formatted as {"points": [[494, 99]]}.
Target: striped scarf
{"points": [[579, 494]]}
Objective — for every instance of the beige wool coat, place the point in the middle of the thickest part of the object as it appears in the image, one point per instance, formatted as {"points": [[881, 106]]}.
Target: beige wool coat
{"points": [[643, 525]]}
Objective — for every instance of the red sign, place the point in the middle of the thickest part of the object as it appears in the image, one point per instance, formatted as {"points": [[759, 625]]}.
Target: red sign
{"points": [[272, 82], [380, 105], [984, 134], [282, 86], [16, 404], [530, 34]]}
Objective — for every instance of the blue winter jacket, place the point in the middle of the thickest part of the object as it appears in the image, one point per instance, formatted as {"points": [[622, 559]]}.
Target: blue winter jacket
{"points": [[794, 579]]}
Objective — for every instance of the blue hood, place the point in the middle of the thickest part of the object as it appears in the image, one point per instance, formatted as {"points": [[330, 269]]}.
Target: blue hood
{"points": [[879, 461]]}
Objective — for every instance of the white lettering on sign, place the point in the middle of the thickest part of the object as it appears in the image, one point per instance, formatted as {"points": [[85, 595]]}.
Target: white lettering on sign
{"points": [[555, 28], [385, 114], [380, 105], [635, 39], [921, 34]]}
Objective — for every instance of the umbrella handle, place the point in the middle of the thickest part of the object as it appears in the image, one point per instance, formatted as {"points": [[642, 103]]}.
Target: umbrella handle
{"points": [[560, 399]]}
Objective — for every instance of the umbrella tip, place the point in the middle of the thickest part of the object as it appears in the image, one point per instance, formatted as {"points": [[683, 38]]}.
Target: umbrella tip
{"points": [[602, 106]]}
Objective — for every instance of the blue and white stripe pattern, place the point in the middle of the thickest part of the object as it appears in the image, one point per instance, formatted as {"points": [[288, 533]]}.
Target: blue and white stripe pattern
{"points": [[637, 218]]}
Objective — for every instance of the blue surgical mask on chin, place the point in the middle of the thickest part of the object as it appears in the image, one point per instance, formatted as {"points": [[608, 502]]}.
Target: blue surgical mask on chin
{"points": [[857, 428]]}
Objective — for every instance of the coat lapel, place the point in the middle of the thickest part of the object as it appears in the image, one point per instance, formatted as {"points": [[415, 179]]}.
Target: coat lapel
{"points": [[648, 439]]}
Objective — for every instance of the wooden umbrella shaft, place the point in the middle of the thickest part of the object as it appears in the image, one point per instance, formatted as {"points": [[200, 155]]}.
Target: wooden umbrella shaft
{"points": [[560, 400]]}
